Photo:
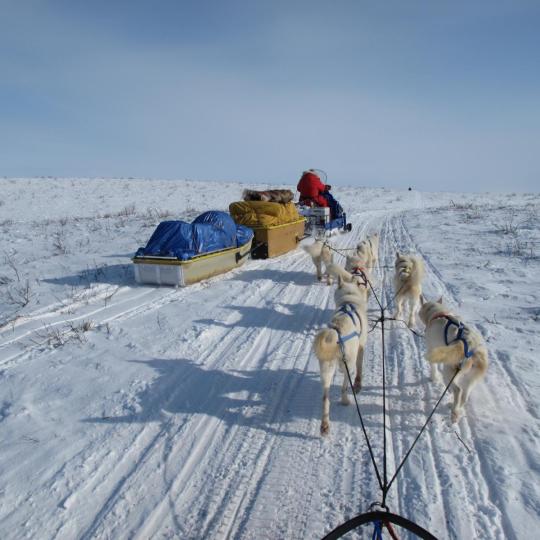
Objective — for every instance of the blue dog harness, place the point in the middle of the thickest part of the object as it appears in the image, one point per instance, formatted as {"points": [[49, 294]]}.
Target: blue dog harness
{"points": [[461, 329], [350, 311]]}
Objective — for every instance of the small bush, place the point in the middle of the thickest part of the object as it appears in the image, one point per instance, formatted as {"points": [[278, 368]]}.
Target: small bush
{"points": [[461, 206], [508, 226], [520, 248], [20, 295], [59, 243], [127, 211]]}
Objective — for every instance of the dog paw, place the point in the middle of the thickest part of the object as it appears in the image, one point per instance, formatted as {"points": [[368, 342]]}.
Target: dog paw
{"points": [[345, 401], [325, 428], [456, 415], [357, 386]]}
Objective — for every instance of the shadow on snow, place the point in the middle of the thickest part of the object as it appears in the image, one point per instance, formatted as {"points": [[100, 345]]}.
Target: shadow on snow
{"points": [[115, 274], [266, 399], [288, 317], [277, 276]]}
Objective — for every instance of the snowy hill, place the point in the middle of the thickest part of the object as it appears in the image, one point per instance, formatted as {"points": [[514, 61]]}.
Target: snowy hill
{"points": [[133, 411]]}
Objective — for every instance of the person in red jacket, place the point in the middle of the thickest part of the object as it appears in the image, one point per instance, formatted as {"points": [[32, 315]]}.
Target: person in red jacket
{"points": [[311, 189]]}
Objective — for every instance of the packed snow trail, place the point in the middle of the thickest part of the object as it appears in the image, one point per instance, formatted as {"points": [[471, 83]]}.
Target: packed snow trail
{"points": [[194, 413]]}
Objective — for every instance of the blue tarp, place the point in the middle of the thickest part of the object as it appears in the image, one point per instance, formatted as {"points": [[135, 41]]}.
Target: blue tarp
{"points": [[211, 231]]}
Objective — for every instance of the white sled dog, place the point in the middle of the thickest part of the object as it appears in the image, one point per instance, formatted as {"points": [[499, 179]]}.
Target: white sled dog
{"points": [[344, 340], [356, 274], [321, 254], [360, 261], [364, 253], [373, 242], [408, 284], [357, 265], [456, 346]]}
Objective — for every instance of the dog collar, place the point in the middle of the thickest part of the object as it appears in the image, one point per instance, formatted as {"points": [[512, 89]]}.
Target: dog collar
{"points": [[440, 315]]}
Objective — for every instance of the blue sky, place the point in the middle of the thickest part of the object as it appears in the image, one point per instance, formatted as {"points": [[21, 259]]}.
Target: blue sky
{"points": [[436, 95]]}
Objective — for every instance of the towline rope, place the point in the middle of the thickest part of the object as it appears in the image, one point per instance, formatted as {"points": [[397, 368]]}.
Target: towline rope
{"points": [[384, 483]]}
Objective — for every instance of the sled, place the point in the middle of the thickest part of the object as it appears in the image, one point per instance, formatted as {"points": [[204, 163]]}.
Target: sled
{"points": [[277, 240], [319, 223], [155, 270]]}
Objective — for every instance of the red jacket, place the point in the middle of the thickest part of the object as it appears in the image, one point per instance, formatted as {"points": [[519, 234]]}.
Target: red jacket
{"points": [[311, 189]]}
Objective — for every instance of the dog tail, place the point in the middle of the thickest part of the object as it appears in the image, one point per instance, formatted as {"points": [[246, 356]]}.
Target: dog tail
{"points": [[419, 268], [451, 354], [336, 271], [326, 345]]}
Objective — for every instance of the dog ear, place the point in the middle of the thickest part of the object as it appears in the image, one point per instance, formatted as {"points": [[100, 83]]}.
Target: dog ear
{"points": [[440, 300], [422, 300]]}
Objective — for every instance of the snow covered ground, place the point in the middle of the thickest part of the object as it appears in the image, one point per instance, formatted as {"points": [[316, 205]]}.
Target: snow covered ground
{"points": [[133, 411]]}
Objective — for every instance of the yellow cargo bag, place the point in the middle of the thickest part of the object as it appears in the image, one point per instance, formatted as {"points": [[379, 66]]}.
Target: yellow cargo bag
{"points": [[262, 213]]}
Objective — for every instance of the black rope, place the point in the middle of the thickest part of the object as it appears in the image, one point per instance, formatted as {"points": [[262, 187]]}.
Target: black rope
{"points": [[395, 296], [383, 482], [339, 251], [377, 321], [422, 430], [385, 490], [358, 410], [374, 294]]}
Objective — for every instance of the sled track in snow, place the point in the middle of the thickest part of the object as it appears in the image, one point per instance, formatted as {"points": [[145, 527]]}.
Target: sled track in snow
{"points": [[225, 341], [446, 463], [226, 444], [251, 342]]}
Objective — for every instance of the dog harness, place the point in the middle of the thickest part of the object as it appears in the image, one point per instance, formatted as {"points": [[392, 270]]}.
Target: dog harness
{"points": [[358, 271], [349, 310], [461, 328]]}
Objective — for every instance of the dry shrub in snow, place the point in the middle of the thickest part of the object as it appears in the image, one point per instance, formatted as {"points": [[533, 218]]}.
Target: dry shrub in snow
{"points": [[56, 337], [20, 295], [59, 243], [127, 211]]}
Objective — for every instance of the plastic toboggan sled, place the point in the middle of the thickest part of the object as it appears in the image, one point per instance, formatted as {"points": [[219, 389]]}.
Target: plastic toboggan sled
{"points": [[171, 271]]}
